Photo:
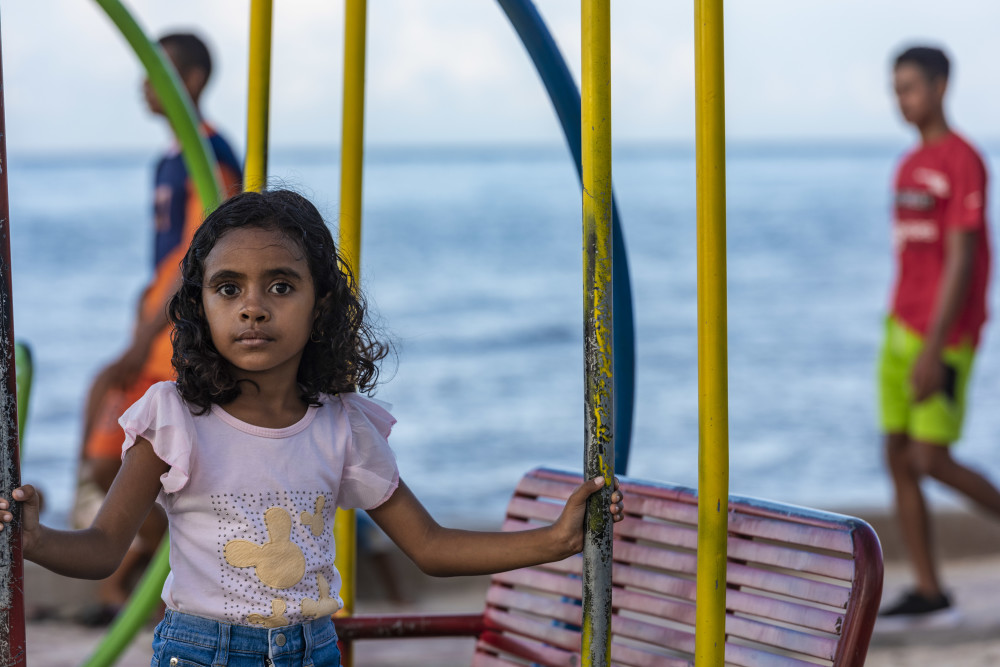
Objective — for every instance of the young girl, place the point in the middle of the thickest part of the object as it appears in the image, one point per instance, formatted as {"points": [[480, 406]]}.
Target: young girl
{"points": [[260, 439]]}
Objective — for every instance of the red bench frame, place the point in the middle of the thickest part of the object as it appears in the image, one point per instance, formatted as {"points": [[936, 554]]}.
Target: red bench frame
{"points": [[803, 586]]}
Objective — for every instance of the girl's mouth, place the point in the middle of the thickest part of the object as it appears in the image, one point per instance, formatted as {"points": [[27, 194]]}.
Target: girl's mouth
{"points": [[253, 337]]}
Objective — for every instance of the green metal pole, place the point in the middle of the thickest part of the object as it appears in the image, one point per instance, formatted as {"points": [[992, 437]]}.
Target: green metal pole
{"points": [[24, 373], [180, 112], [177, 104], [598, 349]]}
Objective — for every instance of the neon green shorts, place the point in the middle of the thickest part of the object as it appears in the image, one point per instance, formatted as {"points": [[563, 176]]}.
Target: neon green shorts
{"points": [[936, 420]]}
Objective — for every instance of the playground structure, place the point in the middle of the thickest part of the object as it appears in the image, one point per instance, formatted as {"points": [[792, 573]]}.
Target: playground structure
{"points": [[608, 352]]}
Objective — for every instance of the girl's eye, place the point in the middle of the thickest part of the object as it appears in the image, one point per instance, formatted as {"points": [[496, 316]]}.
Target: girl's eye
{"points": [[281, 288], [228, 289]]}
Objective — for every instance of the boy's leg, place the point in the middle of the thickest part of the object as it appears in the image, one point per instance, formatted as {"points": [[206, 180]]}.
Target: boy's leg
{"points": [[937, 462], [921, 448], [911, 512], [900, 349]]}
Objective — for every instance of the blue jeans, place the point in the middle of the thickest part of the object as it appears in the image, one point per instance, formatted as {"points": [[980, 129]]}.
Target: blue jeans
{"points": [[183, 640]]}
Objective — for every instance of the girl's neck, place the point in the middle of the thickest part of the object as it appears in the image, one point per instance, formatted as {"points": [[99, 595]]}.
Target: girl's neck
{"points": [[260, 405]]}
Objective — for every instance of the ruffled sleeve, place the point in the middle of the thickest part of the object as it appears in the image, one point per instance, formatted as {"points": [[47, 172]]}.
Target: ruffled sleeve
{"points": [[370, 474], [162, 418]]}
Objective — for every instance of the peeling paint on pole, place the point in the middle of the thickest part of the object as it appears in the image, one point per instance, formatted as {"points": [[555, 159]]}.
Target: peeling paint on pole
{"points": [[598, 353], [12, 645]]}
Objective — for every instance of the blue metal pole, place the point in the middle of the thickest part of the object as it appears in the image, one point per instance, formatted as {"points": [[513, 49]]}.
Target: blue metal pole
{"points": [[565, 97]]}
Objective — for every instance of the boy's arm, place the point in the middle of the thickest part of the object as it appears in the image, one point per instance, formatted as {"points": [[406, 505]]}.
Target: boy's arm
{"points": [[125, 370], [443, 552], [928, 372], [95, 552]]}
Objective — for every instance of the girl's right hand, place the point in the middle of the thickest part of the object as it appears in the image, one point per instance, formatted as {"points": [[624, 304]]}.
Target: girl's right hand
{"points": [[30, 500]]}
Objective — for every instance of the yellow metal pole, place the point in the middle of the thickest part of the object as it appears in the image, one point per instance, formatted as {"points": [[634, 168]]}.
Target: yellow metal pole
{"points": [[352, 139], [713, 405], [258, 96], [598, 351], [351, 162]]}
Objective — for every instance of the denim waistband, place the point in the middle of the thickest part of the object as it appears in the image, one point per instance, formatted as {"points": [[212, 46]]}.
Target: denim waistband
{"points": [[233, 638]]}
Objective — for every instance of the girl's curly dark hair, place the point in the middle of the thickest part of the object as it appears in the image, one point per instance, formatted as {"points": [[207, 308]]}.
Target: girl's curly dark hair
{"points": [[342, 354]]}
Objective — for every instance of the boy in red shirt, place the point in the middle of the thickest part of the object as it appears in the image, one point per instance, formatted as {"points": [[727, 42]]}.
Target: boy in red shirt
{"points": [[938, 310]]}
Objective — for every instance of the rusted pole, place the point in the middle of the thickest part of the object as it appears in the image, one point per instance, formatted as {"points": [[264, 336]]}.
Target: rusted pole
{"points": [[598, 331], [12, 650]]}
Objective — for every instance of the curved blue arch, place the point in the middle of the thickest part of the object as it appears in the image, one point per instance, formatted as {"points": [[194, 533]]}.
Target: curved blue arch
{"points": [[565, 97]]}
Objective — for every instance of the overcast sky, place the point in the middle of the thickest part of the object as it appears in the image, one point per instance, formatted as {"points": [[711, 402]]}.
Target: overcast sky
{"points": [[453, 71]]}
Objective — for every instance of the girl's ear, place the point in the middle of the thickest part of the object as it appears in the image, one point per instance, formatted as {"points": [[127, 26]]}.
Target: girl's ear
{"points": [[322, 305]]}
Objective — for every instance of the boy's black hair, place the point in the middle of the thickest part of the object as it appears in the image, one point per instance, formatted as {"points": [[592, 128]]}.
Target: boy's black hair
{"points": [[188, 51], [932, 61], [343, 352]]}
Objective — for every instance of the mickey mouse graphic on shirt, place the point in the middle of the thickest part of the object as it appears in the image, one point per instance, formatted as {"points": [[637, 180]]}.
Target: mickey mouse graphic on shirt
{"points": [[280, 563]]}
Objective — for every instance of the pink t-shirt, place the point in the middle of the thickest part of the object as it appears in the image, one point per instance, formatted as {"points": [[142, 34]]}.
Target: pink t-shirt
{"points": [[251, 509]]}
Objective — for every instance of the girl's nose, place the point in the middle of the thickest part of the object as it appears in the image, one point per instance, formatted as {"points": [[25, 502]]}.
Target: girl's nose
{"points": [[253, 311]]}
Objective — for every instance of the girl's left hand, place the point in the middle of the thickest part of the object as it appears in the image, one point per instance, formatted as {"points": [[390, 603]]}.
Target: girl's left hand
{"points": [[569, 525]]}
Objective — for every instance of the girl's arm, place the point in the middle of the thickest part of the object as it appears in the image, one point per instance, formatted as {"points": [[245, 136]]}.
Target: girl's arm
{"points": [[95, 552], [445, 552]]}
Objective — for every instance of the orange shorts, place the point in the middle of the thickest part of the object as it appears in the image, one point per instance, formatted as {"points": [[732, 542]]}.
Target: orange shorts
{"points": [[106, 437]]}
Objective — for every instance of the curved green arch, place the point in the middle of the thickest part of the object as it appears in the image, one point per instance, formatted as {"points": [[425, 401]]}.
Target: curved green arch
{"points": [[176, 102], [180, 112], [24, 371]]}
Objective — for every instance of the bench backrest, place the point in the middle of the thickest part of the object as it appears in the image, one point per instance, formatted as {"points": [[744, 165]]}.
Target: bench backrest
{"points": [[803, 585]]}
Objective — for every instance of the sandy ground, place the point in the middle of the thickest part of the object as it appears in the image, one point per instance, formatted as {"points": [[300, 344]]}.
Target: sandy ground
{"points": [[970, 638]]}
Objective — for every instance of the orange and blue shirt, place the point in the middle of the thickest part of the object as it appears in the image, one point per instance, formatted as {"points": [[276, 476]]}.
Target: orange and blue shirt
{"points": [[178, 212]]}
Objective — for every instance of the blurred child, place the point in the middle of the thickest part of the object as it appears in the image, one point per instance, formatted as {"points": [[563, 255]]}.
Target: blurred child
{"points": [[938, 311], [178, 212]]}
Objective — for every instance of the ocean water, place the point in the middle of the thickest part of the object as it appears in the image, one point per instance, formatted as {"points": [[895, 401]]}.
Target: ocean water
{"points": [[471, 260]]}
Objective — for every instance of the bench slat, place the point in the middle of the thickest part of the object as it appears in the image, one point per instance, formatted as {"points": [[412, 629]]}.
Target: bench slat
{"points": [[651, 607], [785, 531], [547, 632], [572, 614], [740, 522], [749, 602], [621, 655], [809, 643], [627, 554], [794, 558], [674, 537], [541, 580], [540, 654], [569, 640], [660, 583], [736, 573], [686, 495]]}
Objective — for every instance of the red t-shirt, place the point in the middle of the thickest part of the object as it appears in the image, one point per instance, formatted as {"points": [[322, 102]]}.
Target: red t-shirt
{"points": [[940, 187]]}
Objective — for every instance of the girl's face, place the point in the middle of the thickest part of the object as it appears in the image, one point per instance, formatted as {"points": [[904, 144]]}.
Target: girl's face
{"points": [[259, 301]]}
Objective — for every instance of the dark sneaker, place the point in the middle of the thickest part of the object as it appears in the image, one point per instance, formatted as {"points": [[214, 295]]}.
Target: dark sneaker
{"points": [[914, 611], [915, 604]]}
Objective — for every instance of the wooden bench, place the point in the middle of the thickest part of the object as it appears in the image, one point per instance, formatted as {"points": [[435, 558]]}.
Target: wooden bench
{"points": [[803, 586]]}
